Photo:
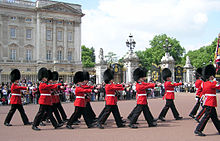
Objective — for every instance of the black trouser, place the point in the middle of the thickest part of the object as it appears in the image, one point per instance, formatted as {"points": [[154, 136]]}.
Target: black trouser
{"points": [[107, 111], [200, 114], [48, 109], [132, 112], [61, 110], [90, 111], [209, 113], [56, 113], [196, 107], [78, 112], [12, 111], [137, 111], [169, 104]]}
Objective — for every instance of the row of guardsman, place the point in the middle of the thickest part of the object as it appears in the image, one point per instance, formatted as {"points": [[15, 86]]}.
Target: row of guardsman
{"points": [[50, 103]]}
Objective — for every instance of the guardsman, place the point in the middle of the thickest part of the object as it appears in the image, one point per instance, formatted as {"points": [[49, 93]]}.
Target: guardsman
{"points": [[198, 84], [141, 97], [15, 100], [45, 100], [57, 98], [210, 102], [111, 100], [169, 95], [80, 102]]}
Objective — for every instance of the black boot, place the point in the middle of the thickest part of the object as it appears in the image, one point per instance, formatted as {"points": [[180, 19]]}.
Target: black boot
{"points": [[199, 133], [35, 128], [7, 124], [161, 118], [99, 125], [132, 126], [179, 118], [69, 127]]}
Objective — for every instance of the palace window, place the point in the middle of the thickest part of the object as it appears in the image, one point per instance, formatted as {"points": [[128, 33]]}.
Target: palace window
{"points": [[49, 55], [13, 18], [28, 33], [28, 19], [59, 22], [59, 35], [13, 54], [13, 32], [28, 55], [70, 37], [49, 34], [69, 55], [59, 55]]}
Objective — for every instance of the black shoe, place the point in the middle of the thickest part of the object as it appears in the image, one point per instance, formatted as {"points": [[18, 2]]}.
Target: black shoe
{"points": [[121, 126], [192, 116], [100, 126], [7, 124], [196, 119], [65, 120], [132, 126], [155, 120], [35, 128], [78, 121], [69, 127], [179, 118], [199, 133], [59, 125], [123, 121], [47, 121], [154, 124], [91, 126], [75, 123], [42, 124], [161, 118], [28, 123]]}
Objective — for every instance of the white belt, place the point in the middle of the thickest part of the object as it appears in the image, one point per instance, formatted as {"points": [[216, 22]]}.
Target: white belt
{"points": [[45, 94], [170, 91], [56, 94], [16, 94], [197, 88], [110, 95], [142, 94], [210, 94], [80, 97]]}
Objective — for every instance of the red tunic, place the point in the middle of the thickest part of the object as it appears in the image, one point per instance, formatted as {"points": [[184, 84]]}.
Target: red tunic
{"points": [[110, 89], [198, 84], [87, 87], [45, 93], [141, 95], [80, 96], [209, 89], [16, 93], [169, 89]]}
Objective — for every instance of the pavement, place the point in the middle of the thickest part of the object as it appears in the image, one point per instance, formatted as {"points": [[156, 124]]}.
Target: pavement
{"points": [[172, 130]]}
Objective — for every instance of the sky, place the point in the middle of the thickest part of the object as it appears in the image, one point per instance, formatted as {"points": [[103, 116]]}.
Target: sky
{"points": [[108, 23]]}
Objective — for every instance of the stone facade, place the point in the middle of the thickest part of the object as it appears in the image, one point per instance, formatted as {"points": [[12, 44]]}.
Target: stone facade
{"points": [[39, 34]]}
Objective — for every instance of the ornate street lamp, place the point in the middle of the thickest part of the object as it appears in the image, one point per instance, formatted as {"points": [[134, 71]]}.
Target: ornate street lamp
{"points": [[130, 43], [167, 46]]}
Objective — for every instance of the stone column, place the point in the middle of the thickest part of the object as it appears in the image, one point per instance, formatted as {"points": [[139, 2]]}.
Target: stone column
{"points": [[54, 41], [77, 42], [189, 71], [65, 41], [38, 39], [0, 76], [167, 61]]}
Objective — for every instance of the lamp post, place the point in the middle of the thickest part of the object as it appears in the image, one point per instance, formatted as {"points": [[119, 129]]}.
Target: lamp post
{"points": [[130, 43], [167, 46]]}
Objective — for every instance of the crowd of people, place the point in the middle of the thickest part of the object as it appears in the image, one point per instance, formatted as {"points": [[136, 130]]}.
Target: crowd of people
{"points": [[50, 92]]}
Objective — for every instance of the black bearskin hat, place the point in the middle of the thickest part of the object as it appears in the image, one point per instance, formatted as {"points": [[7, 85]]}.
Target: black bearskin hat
{"points": [[137, 74], [108, 76], [50, 75], [144, 72], [15, 75], [208, 71], [198, 73], [55, 75], [78, 77], [166, 73], [86, 75], [42, 73]]}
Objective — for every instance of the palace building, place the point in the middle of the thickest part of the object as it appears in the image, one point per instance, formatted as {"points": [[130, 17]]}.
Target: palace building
{"points": [[39, 34]]}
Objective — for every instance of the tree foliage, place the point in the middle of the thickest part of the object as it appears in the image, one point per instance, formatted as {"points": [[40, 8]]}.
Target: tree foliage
{"points": [[111, 57], [202, 56], [155, 53], [88, 57]]}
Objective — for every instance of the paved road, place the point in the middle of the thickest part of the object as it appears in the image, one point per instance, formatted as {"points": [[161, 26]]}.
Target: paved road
{"points": [[170, 130]]}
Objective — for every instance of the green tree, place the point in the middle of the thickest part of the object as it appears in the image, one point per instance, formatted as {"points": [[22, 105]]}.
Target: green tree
{"points": [[111, 58], [202, 56], [88, 57], [155, 53]]}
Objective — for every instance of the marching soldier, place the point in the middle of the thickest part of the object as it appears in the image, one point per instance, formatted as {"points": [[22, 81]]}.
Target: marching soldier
{"points": [[198, 84], [57, 98], [80, 102], [45, 100], [15, 100], [209, 89], [141, 97], [111, 100], [169, 95]]}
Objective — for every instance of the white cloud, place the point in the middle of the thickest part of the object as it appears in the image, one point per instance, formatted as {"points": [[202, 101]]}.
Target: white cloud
{"points": [[109, 26]]}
